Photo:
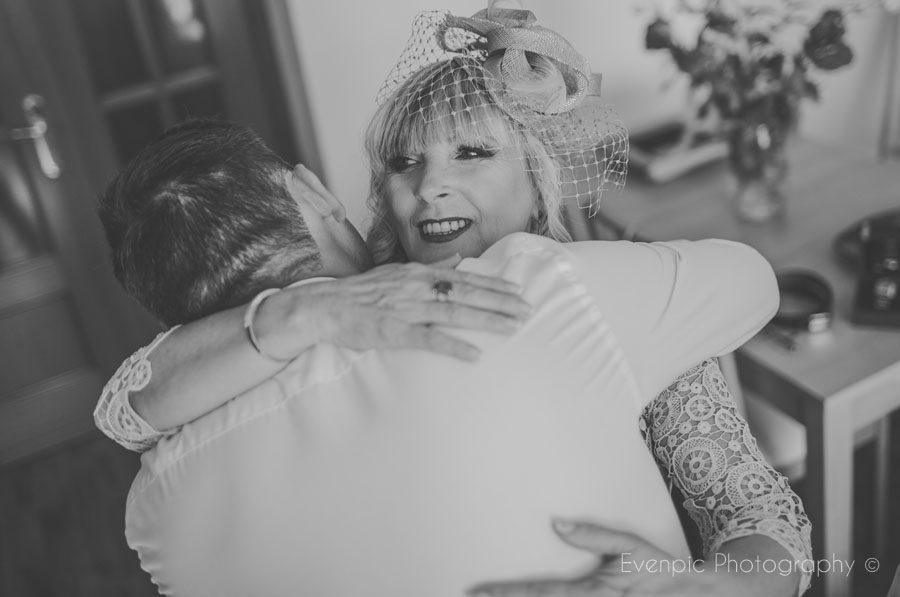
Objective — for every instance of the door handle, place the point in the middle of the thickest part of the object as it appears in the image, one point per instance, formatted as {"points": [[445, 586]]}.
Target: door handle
{"points": [[32, 104]]}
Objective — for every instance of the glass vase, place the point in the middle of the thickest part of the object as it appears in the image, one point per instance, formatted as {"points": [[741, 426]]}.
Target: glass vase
{"points": [[759, 164]]}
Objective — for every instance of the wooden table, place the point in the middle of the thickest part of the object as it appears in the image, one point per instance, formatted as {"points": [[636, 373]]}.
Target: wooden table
{"points": [[837, 381]]}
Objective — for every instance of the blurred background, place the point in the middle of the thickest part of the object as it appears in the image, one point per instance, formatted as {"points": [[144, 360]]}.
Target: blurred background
{"points": [[85, 83]]}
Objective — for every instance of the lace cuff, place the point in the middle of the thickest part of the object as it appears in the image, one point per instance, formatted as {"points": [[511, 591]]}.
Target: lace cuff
{"points": [[114, 415], [702, 442]]}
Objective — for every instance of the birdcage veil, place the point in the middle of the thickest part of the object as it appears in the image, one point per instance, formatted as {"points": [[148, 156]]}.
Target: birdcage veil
{"points": [[463, 74]]}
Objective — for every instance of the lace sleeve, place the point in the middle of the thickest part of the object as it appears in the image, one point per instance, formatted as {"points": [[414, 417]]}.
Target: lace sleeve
{"points": [[114, 415], [702, 442]]}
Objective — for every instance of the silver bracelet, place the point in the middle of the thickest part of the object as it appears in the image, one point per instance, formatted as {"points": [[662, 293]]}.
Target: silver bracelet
{"points": [[250, 315]]}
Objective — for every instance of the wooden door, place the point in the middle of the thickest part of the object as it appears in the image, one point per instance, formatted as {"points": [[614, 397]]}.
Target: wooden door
{"points": [[84, 84]]}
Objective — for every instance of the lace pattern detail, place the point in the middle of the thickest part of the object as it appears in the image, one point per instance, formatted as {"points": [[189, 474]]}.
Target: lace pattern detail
{"points": [[114, 415], [706, 448]]}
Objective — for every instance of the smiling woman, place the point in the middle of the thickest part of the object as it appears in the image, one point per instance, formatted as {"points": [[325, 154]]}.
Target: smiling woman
{"points": [[451, 173], [497, 147], [460, 196]]}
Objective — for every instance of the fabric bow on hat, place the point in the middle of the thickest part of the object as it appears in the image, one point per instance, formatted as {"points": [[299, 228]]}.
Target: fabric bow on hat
{"points": [[503, 39]]}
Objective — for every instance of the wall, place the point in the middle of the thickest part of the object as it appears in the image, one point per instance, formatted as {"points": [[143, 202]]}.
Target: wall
{"points": [[347, 47]]}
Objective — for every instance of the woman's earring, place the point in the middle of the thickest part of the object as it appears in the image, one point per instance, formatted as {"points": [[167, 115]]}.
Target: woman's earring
{"points": [[538, 222]]}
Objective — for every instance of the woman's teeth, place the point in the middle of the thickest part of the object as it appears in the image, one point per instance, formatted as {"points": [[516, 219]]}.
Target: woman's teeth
{"points": [[443, 227]]}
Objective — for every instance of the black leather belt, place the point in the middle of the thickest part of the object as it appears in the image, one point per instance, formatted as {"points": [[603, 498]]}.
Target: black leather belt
{"points": [[807, 302]]}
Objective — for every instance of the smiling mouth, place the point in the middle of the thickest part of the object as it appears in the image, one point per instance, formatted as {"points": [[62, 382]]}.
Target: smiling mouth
{"points": [[442, 231]]}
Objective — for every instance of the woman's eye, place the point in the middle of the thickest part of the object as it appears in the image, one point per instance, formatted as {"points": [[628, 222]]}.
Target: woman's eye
{"points": [[473, 152], [401, 163]]}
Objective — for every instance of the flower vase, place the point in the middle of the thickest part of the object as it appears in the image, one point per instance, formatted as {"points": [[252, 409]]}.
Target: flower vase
{"points": [[759, 163]]}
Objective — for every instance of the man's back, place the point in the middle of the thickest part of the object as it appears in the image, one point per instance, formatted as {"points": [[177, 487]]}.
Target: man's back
{"points": [[408, 473]]}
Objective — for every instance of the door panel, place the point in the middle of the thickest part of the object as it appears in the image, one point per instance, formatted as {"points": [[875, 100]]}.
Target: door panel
{"points": [[111, 76], [48, 379]]}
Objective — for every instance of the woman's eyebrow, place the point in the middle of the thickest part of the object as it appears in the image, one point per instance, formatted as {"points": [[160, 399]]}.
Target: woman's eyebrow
{"points": [[479, 140]]}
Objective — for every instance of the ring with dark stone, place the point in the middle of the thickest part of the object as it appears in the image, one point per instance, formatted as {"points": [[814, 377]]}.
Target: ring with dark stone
{"points": [[442, 290]]}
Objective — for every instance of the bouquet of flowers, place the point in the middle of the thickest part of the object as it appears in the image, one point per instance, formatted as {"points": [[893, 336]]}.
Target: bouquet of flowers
{"points": [[754, 57], [751, 64]]}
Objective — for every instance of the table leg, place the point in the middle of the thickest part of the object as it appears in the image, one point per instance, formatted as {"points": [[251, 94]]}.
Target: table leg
{"points": [[829, 495], [882, 485]]}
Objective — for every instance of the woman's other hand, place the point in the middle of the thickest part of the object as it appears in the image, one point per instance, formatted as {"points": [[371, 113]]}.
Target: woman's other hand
{"points": [[394, 306], [626, 565]]}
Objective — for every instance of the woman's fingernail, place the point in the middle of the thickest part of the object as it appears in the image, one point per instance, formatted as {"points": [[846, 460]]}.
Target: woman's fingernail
{"points": [[563, 526]]}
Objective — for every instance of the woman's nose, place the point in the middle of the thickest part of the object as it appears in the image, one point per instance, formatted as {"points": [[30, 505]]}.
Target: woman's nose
{"points": [[433, 183]]}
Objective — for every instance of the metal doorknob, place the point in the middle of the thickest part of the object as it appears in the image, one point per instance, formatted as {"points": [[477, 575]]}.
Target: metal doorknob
{"points": [[36, 131]]}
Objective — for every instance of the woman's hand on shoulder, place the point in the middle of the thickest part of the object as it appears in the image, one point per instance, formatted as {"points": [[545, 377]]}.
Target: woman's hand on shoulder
{"points": [[629, 565], [397, 306]]}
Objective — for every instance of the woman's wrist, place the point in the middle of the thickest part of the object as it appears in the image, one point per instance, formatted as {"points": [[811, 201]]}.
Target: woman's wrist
{"points": [[286, 323]]}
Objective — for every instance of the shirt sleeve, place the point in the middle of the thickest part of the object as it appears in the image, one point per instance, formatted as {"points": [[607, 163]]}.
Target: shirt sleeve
{"points": [[673, 304], [706, 448], [114, 415]]}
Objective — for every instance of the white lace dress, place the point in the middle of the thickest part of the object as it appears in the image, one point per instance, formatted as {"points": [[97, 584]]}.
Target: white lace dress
{"points": [[114, 415], [707, 450], [692, 428]]}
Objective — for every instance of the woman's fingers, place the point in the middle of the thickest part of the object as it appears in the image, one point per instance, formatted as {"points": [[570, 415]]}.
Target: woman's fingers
{"points": [[481, 281], [478, 291], [393, 274], [450, 274], [504, 302], [321, 198], [418, 301], [596, 538], [428, 338], [459, 315]]}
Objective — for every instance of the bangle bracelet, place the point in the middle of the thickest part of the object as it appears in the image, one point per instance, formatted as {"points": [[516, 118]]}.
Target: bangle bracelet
{"points": [[250, 315]]}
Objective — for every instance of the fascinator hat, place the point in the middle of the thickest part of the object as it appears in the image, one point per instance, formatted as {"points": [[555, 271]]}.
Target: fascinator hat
{"points": [[460, 75]]}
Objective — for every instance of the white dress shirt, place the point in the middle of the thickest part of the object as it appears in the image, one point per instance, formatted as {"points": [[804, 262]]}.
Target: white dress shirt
{"points": [[404, 473]]}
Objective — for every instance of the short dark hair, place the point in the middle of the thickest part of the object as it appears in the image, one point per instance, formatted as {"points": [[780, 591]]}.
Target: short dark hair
{"points": [[201, 220]]}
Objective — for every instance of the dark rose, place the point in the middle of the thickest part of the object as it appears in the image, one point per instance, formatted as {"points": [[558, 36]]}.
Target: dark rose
{"points": [[825, 45], [829, 29], [659, 35], [830, 56]]}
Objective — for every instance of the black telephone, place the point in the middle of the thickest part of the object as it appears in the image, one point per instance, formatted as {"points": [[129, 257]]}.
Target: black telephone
{"points": [[873, 247]]}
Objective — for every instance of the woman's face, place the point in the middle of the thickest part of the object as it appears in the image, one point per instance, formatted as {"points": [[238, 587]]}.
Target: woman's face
{"points": [[458, 196]]}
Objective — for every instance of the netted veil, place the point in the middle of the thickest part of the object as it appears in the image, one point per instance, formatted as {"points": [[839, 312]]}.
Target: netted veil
{"points": [[465, 70]]}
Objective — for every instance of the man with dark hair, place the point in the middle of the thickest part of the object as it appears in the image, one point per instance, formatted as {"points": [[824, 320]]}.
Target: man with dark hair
{"points": [[201, 220], [206, 217]]}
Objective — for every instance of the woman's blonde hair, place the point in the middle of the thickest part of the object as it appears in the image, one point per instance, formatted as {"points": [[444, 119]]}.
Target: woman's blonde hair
{"points": [[452, 100]]}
